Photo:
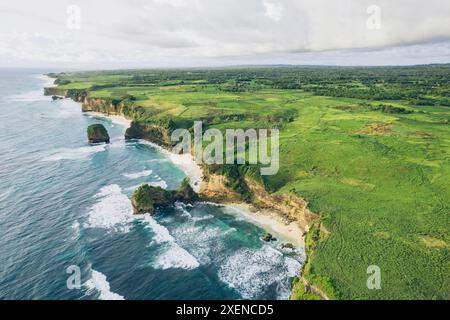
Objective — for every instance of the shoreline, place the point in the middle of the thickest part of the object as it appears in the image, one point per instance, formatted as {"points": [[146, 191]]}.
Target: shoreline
{"points": [[271, 222], [183, 161], [266, 219], [116, 119], [50, 82]]}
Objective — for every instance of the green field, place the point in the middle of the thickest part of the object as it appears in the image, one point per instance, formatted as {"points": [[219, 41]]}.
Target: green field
{"points": [[369, 148]]}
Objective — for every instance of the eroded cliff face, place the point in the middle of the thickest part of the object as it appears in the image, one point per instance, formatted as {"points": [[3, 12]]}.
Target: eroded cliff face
{"points": [[215, 189], [138, 129], [289, 207], [54, 91], [101, 105], [149, 132]]}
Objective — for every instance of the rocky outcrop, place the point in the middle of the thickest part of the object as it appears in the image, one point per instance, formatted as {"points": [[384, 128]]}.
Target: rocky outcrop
{"points": [[97, 133], [54, 91], [156, 133], [146, 199], [287, 246], [289, 207], [215, 189], [268, 237]]}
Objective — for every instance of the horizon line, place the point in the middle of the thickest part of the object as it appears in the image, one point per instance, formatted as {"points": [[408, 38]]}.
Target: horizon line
{"points": [[230, 66]]}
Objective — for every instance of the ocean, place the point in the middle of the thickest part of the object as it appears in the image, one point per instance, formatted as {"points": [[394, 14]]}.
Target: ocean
{"points": [[64, 205]]}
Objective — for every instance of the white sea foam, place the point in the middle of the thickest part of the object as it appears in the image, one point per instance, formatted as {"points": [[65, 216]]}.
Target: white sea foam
{"points": [[176, 257], [173, 256], [99, 283], [158, 160], [137, 175], [251, 272], [162, 184], [185, 162], [293, 266], [119, 120], [48, 82], [30, 96], [112, 210], [64, 109], [161, 233], [205, 242], [182, 207], [203, 218], [76, 153], [231, 230], [76, 230], [34, 95], [214, 204]]}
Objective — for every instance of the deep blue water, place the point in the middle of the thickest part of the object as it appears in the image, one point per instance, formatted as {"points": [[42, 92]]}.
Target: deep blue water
{"points": [[64, 202]]}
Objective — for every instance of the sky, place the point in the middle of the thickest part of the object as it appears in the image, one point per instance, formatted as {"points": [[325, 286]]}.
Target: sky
{"points": [[105, 34]]}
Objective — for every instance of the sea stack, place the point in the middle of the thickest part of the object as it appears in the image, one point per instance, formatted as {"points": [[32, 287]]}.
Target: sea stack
{"points": [[97, 133], [147, 198]]}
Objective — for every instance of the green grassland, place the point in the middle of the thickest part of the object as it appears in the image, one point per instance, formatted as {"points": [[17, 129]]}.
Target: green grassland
{"points": [[369, 148]]}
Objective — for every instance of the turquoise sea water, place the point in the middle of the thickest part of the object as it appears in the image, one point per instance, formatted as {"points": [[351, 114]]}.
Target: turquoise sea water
{"points": [[66, 203]]}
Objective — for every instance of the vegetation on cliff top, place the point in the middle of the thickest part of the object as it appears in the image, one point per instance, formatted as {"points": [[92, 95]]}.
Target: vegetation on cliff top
{"points": [[97, 133], [369, 148], [146, 198]]}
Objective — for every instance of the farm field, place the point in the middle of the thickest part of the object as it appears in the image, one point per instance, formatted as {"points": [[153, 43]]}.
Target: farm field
{"points": [[368, 148]]}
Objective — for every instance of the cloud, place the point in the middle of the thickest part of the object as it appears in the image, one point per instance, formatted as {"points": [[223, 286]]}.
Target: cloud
{"points": [[161, 32], [274, 11]]}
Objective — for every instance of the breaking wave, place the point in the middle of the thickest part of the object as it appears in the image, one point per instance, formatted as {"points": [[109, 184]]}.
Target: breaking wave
{"points": [[112, 210], [137, 175], [76, 153], [98, 282], [173, 256]]}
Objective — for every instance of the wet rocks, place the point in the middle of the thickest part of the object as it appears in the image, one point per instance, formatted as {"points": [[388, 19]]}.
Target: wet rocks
{"points": [[268, 237]]}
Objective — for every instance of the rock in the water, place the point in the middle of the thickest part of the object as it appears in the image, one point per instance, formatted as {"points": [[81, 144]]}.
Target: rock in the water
{"points": [[133, 132], [146, 198], [56, 98], [268, 237], [287, 246], [97, 133]]}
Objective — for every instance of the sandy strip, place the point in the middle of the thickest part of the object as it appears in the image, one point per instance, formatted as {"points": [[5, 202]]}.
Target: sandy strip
{"points": [[120, 120], [185, 162], [49, 82], [271, 222]]}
